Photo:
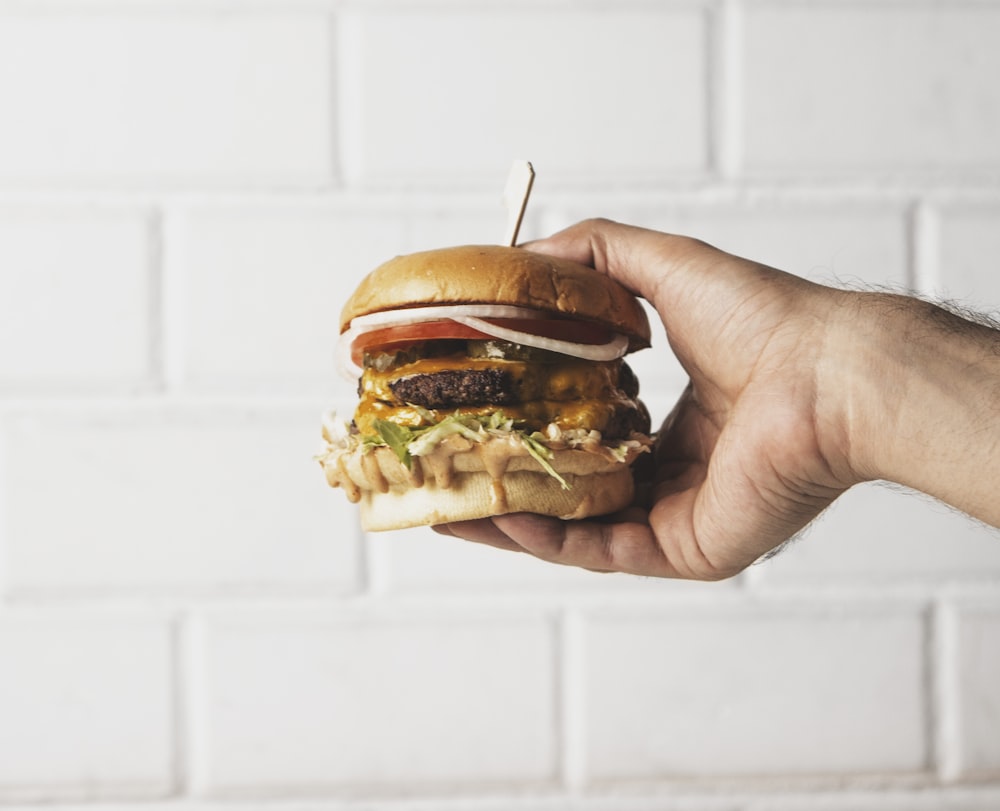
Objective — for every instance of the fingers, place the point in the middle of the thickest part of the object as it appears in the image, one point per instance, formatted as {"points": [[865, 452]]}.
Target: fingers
{"points": [[636, 257], [480, 531], [628, 546]]}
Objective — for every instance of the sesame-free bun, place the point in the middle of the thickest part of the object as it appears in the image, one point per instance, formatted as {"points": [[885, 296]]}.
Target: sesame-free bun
{"points": [[469, 499], [494, 274]]}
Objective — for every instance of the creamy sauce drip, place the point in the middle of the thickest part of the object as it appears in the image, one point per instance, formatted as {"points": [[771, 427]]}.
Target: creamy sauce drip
{"points": [[441, 467], [496, 457], [372, 469], [358, 471]]}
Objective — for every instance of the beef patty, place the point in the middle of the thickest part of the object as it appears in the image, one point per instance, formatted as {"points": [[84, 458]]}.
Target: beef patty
{"points": [[451, 388], [455, 387]]}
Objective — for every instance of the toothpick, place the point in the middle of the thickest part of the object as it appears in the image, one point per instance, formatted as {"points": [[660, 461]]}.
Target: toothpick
{"points": [[515, 197]]}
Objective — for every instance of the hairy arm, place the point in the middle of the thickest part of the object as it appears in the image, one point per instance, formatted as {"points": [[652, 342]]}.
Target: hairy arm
{"points": [[926, 401]]}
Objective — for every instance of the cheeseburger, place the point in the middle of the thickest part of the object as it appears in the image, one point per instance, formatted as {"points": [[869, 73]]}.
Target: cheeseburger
{"points": [[491, 380]]}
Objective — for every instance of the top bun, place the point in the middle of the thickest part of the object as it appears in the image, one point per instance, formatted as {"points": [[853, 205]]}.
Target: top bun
{"points": [[495, 274]]}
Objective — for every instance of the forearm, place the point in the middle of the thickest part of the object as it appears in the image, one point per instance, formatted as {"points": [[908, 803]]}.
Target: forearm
{"points": [[924, 407]]}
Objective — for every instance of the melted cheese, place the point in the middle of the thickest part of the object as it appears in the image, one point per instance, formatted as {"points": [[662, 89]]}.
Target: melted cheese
{"points": [[573, 380], [570, 395]]}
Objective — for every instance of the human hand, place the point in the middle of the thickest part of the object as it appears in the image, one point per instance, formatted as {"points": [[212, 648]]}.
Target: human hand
{"points": [[756, 446]]}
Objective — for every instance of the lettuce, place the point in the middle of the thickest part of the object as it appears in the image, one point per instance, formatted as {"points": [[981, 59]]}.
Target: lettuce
{"points": [[541, 454], [407, 442], [397, 437], [429, 438]]}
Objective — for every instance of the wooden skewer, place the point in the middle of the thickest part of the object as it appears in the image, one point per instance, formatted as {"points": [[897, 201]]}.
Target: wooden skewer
{"points": [[515, 197]]}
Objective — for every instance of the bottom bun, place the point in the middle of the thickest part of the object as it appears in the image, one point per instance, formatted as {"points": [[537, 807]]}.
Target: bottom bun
{"points": [[461, 479], [478, 495]]}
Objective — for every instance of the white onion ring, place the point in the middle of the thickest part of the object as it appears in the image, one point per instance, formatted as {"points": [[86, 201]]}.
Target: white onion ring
{"points": [[414, 315], [615, 348], [472, 315]]}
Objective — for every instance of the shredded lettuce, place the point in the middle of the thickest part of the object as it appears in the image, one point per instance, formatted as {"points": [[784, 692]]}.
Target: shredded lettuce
{"points": [[420, 440], [397, 437], [407, 442], [429, 438], [541, 454]]}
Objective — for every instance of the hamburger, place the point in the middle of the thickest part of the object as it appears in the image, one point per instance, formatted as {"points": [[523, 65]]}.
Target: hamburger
{"points": [[490, 380]]}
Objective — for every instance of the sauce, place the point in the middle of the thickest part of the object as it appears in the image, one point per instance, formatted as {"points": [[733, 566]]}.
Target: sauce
{"points": [[373, 471], [358, 471], [496, 457]]}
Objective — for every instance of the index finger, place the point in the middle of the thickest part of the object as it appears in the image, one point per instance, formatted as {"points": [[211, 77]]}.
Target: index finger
{"points": [[626, 253]]}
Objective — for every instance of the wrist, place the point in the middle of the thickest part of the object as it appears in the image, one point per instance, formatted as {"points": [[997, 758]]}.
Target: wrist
{"points": [[922, 392]]}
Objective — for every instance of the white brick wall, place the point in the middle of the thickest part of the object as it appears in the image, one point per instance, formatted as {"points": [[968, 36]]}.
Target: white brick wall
{"points": [[513, 83], [376, 702], [968, 233], [53, 258], [871, 89], [753, 692], [86, 705], [165, 98], [190, 618], [976, 644], [120, 500]]}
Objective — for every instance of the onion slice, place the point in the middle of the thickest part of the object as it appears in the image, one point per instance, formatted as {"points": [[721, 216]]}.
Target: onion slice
{"points": [[473, 315], [614, 348], [414, 315]]}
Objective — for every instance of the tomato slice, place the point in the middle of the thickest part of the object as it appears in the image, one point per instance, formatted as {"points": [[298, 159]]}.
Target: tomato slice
{"points": [[395, 337]]}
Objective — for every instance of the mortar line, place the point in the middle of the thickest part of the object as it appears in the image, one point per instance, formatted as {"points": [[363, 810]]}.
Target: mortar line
{"points": [[189, 747], [180, 709], [334, 113], [372, 565], [725, 103], [945, 742], [570, 731], [924, 248], [156, 300], [172, 281], [346, 107]]}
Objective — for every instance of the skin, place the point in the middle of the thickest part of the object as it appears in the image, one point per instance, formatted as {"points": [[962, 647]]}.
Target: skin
{"points": [[797, 392]]}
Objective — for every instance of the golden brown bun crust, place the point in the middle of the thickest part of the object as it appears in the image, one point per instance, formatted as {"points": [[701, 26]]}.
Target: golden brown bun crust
{"points": [[469, 497], [496, 274]]}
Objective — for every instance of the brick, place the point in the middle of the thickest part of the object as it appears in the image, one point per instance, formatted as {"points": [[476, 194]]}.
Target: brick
{"points": [[109, 101], [976, 667], [952, 798], [753, 691], [172, 501], [875, 533], [376, 703], [257, 290], [86, 706], [74, 298], [472, 89], [876, 87], [968, 236]]}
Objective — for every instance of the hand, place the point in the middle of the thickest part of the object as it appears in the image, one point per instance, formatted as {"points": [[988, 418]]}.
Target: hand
{"points": [[755, 447], [796, 393]]}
